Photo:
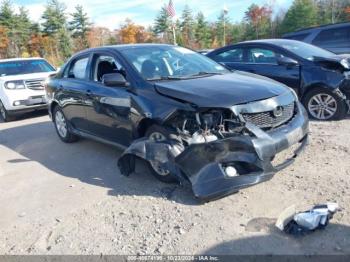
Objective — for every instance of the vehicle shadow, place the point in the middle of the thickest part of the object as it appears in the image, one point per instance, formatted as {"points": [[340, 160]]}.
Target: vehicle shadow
{"points": [[90, 162], [333, 240], [34, 114]]}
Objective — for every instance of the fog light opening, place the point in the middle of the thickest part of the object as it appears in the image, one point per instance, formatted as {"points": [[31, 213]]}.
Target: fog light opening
{"points": [[17, 103], [231, 171]]}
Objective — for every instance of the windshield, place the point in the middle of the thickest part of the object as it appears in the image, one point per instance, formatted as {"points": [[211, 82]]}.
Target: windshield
{"points": [[22, 67], [170, 62], [306, 51]]}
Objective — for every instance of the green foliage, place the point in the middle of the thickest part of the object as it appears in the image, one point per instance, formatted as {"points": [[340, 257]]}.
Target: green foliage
{"points": [[202, 32], [59, 35], [7, 15], [303, 13], [54, 18], [80, 26], [162, 23], [187, 25]]}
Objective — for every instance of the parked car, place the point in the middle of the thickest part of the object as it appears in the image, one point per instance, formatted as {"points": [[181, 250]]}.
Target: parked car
{"points": [[22, 85], [187, 116], [319, 77], [334, 37]]}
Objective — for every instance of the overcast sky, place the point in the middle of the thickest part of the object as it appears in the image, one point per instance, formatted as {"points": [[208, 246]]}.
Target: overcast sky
{"points": [[110, 13]]}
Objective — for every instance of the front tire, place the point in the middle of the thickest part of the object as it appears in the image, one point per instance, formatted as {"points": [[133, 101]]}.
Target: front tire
{"points": [[61, 126], [323, 104], [4, 114], [159, 134]]}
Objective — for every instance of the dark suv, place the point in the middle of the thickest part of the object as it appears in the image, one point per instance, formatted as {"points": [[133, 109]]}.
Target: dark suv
{"points": [[335, 37], [187, 116]]}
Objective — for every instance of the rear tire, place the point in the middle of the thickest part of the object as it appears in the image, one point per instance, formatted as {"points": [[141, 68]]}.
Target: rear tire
{"points": [[4, 114], [159, 134], [323, 105], [61, 126]]}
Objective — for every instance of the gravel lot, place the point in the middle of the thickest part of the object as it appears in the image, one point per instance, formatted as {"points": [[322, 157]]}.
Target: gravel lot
{"points": [[71, 199]]}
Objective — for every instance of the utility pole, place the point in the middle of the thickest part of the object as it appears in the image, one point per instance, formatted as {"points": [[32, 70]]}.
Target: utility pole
{"points": [[225, 12]]}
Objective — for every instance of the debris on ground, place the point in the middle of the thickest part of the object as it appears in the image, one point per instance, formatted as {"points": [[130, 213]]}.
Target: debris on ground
{"points": [[300, 223]]}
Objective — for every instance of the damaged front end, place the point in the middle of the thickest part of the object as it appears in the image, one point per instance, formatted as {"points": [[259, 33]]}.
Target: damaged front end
{"points": [[220, 151]]}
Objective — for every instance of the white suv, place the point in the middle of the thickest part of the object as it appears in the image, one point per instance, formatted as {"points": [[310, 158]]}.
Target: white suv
{"points": [[22, 85]]}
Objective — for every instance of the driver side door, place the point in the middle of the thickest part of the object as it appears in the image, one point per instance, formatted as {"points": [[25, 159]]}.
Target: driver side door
{"points": [[109, 108]]}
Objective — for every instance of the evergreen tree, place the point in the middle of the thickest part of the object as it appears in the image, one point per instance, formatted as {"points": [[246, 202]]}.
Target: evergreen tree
{"points": [[302, 13], [80, 26], [202, 31], [55, 27], [187, 26], [22, 31], [7, 15], [54, 18], [162, 25]]}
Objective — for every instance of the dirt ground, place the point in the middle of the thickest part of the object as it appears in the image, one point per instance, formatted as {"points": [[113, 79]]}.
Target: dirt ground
{"points": [[71, 199]]}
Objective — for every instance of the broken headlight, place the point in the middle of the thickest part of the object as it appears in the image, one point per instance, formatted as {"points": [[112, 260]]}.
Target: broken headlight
{"points": [[345, 63]]}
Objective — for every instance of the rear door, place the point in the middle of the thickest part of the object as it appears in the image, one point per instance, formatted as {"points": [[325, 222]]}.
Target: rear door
{"points": [[72, 92], [109, 108]]}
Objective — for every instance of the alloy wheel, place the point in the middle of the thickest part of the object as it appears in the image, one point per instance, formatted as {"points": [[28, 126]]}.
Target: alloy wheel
{"points": [[322, 106], [156, 165], [61, 124]]}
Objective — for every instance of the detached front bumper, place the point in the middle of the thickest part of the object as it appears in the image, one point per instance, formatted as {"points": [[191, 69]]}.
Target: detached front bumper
{"points": [[204, 164]]}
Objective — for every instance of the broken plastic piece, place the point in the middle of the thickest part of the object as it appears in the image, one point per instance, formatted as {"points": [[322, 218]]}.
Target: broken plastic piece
{"points": [[304, 222]]}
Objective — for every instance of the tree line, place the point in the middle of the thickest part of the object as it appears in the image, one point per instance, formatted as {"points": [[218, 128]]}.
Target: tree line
{"points": [[61, 33]]}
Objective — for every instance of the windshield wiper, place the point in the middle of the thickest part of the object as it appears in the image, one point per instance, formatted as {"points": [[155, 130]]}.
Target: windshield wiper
{"points": [[203, 73], [165, 78]]}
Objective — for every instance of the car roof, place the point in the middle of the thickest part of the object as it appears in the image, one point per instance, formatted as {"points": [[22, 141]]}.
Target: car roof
{"points": [[310, 29], [125, 46], [276, 41], [20, 59]]}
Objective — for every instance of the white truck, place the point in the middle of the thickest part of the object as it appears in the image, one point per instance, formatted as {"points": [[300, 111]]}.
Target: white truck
{"points": [[22, 85]]}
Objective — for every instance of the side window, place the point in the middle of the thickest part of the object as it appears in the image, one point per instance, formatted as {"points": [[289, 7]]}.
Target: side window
{"points": [[78, 69], [233, 55], [336, 35], [104, 64], [262, 56]]}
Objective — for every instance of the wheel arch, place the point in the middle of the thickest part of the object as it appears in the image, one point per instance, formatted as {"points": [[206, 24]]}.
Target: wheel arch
{"points": [[143, 125], [312, 87]]}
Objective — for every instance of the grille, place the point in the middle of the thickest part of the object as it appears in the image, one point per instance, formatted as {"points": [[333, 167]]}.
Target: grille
{"points": [[271, 119], [36, 84]]}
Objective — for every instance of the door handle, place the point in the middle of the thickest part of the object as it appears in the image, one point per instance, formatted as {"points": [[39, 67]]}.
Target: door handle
{"points": [[88, 93]]}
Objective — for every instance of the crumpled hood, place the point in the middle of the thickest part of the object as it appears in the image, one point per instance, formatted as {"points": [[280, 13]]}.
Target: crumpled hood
{"points": [[222, 90], [336, 60]]}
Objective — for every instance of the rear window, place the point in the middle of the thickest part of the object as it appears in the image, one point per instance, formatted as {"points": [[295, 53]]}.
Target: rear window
{"points": [[336, 35], [23, 67]]}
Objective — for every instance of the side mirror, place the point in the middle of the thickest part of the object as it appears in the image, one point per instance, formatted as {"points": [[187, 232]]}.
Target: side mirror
{"points": [[287, 61], [114, 80]]}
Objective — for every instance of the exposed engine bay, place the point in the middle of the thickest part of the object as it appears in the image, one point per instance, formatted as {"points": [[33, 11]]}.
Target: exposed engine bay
{"points": [[220, 151], [206, 126]]}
